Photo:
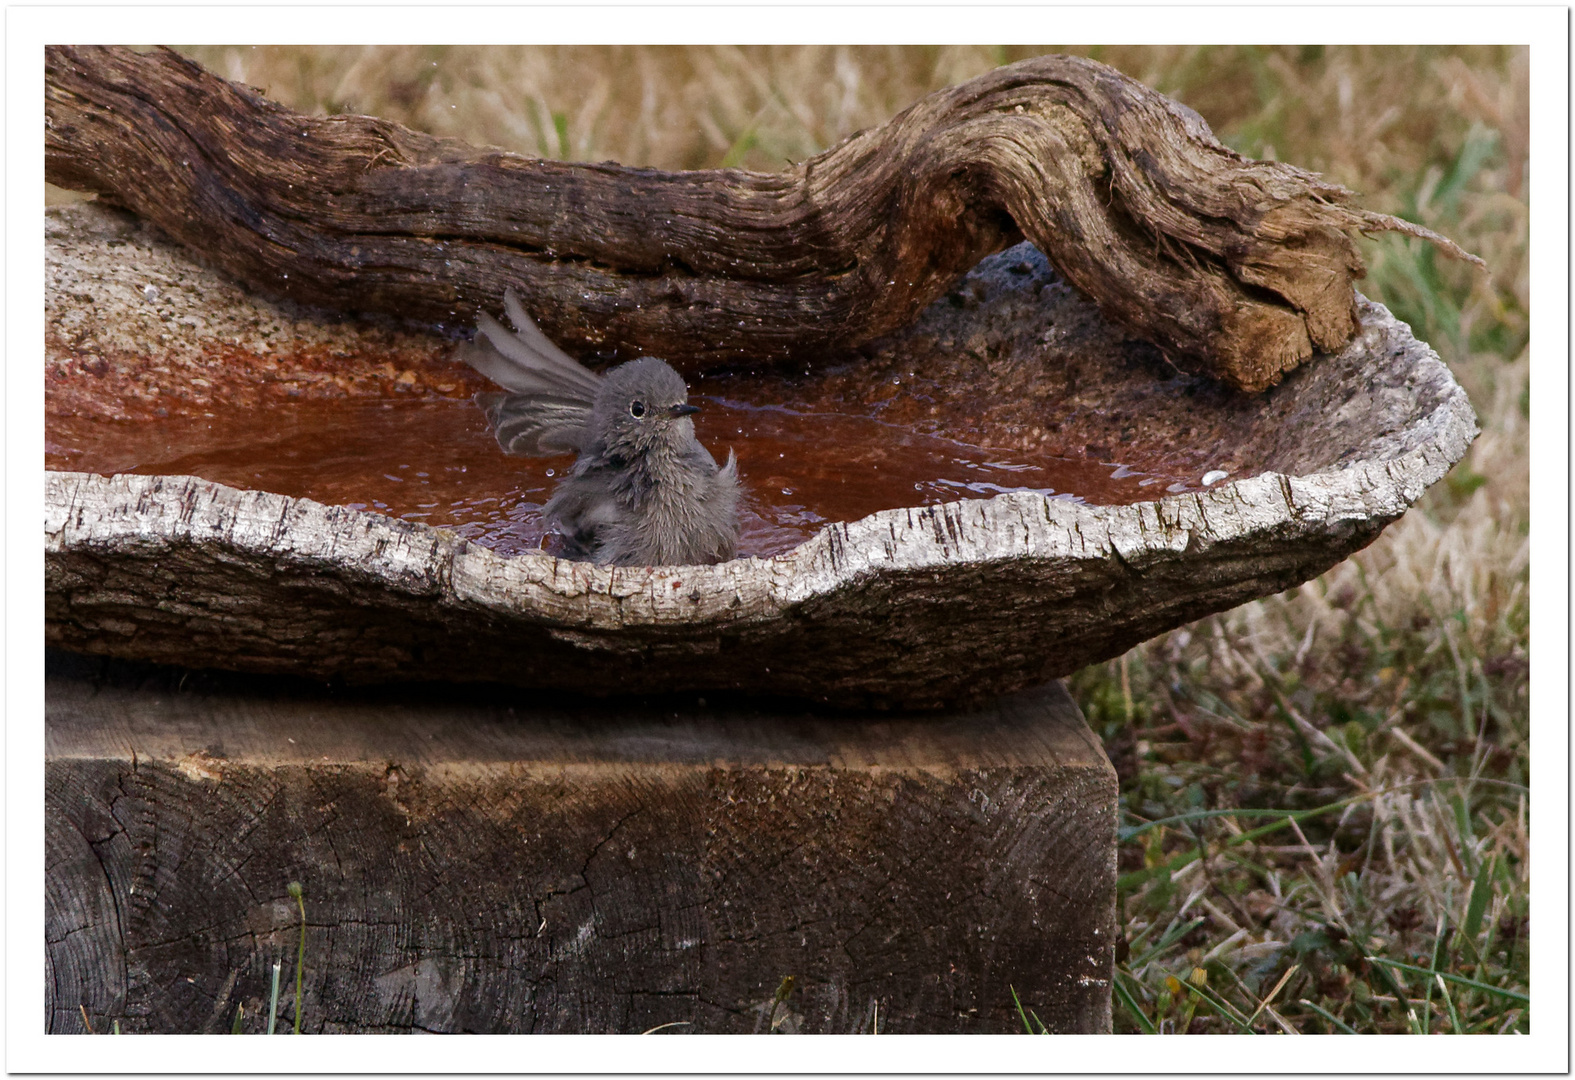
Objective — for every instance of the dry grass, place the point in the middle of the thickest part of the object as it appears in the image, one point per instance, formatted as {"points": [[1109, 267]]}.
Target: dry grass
{"points": [[669, 107], [1349, 758]]}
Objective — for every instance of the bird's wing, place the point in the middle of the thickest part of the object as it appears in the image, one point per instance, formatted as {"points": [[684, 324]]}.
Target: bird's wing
{"points": [[587, 515], [525, 361], [533, 425]]}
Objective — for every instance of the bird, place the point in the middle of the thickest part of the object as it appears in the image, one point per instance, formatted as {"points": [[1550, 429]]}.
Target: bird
{"points": [[642, 490]]}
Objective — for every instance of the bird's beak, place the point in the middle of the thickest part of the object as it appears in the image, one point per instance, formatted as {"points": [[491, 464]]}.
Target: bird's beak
{"points": [[683, 410]]}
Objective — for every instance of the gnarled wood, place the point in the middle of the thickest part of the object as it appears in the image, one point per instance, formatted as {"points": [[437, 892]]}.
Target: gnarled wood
{"points": [[1244, 266]]}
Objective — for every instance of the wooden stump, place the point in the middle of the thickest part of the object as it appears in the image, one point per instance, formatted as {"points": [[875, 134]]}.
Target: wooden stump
{"points": [[507, 861]]}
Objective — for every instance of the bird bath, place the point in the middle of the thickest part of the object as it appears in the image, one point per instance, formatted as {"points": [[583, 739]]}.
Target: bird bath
{"points": [[1002, 493]]}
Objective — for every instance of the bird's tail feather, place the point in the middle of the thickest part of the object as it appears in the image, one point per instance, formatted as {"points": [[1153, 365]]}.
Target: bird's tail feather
{"points": [[525, 361]]}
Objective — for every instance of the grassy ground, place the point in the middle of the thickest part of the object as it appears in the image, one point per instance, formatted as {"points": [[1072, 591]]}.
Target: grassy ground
{"points": [[1323, 792]]}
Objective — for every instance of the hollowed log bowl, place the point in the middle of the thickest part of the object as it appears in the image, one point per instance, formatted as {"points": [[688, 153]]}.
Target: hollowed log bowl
{"points": [[905, 608]]}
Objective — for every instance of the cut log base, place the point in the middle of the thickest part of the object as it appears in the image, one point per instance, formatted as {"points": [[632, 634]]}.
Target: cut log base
{"points": [[507, 861]]}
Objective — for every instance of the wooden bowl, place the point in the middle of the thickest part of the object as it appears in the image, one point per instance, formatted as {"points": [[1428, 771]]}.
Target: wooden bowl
{"points": [[909, 607]]}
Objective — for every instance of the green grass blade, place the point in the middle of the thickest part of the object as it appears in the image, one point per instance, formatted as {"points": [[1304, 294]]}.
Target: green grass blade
{"points": [[1449, 1003], [1138, 940], [1329, 1016], [1130, 881], [1479, 147], [1131, 1005], [1220, 1006], [1481, 894], [1165, 942], [1427, 984], [1128, 832], [1513, 995], [1464, 832], [560, 127], [1020, 1013], [1400, 992], [742, 145]]}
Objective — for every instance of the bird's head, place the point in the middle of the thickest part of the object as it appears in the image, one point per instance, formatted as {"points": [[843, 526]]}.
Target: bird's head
{"points": [[641, 408]]}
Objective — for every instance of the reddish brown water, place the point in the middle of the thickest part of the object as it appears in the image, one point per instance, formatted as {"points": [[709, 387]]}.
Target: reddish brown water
{"points": [[434, 461]]}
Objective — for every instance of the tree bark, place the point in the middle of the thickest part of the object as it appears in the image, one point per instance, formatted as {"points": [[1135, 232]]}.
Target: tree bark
{"points": [[1243, 267]]}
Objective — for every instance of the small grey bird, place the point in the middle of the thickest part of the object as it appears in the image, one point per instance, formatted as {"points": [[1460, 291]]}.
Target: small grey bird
{"points": [[643, 491]]}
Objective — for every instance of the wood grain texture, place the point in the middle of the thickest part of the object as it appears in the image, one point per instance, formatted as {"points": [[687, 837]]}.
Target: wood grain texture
{"points": [[503, 864], [1245, 267]]}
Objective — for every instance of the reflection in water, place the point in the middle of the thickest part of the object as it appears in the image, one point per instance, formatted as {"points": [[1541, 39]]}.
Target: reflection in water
{"points": [[434, 461]]}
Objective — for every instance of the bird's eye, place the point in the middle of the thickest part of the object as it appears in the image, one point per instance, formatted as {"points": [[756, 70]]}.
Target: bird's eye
{"points": [[637, 409]]}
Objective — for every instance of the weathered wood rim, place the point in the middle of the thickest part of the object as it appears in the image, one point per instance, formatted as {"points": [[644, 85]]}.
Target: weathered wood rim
{"points": [[905, 607]]}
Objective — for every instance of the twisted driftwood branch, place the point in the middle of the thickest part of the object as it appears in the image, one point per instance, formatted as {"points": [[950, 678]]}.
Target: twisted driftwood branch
{"points": [[1243, 266]]}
